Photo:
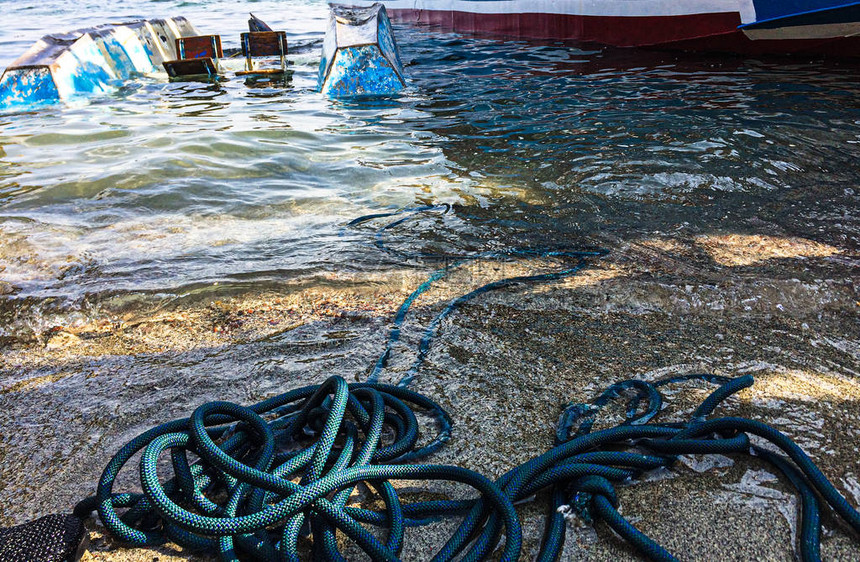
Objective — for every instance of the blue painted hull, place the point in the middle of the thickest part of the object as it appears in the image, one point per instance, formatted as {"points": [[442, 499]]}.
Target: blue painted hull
{"points": [[360, 55], [88, 61]]}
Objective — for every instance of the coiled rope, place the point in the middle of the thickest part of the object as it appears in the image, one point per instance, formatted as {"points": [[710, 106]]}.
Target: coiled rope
{"points": [[273, 481]]}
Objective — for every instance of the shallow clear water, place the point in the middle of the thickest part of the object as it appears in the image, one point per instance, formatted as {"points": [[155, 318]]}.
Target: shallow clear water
{"points": [[166, 189]]}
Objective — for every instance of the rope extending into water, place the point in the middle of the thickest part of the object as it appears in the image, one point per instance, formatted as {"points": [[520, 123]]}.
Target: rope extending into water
{"points": [[277, 480], [574, 261]]}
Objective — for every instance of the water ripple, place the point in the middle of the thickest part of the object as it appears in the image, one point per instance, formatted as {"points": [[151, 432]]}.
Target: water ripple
{"points": [[168, 185]]}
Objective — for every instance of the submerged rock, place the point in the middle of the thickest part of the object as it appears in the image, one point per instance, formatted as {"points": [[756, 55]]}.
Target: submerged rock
{"points": [[62, 340]]}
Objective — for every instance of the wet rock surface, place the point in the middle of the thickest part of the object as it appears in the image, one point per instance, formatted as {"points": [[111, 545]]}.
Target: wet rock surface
{"points": [[504, 365]]}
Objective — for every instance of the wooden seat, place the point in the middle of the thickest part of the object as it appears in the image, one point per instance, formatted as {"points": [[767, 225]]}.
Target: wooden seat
{"points": [[197, 56], [263, 44], [178, 69], [198, 47]]}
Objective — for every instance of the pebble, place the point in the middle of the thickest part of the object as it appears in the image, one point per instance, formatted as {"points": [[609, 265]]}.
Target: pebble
{"points": [[62, 340]]}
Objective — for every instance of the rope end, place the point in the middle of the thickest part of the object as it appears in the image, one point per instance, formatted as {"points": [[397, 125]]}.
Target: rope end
{"points": [[53, 538]]}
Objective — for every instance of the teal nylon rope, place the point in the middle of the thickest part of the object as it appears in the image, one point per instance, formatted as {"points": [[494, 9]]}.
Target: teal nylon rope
{"points": [[273, 481]]}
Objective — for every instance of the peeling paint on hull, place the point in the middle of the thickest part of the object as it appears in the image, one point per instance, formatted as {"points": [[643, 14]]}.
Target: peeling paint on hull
{"points": [[360, 55]]}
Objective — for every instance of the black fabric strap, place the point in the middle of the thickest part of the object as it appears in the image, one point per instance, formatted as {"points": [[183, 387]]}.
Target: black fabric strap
{"points": [[53, 538]]}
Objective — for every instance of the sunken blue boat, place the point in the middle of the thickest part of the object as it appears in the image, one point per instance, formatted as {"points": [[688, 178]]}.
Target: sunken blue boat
{"points": [[89, 61], [360, 55]]}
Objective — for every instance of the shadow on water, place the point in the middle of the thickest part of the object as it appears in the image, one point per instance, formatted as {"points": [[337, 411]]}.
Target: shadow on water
{"points": [[618, 141], [195, 98]]}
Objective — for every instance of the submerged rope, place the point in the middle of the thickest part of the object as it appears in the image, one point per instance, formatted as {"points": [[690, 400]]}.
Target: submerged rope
{"points": [[275, 481], [576, 260]]}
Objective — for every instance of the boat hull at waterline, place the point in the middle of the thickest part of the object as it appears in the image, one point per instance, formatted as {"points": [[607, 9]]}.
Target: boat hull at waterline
{"points": [[737, 26]]}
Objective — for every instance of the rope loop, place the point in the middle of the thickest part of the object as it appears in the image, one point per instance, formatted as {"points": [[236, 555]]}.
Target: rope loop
{"points": [[267, 475]]}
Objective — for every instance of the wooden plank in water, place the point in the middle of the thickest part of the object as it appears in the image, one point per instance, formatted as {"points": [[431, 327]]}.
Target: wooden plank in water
{"points": [[261, 72], [190, 67]]}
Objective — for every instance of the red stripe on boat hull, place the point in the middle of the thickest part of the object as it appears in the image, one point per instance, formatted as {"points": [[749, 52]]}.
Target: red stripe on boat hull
{"points": [[611, 30], [717, 32]]}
